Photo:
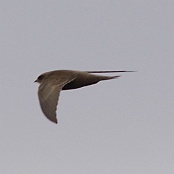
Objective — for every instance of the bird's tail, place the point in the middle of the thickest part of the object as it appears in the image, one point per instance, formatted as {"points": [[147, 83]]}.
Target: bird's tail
{"points": [[109, 77]]}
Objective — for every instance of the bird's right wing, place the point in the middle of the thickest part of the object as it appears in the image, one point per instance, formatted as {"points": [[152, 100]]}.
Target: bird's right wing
{"points": [[108, 71], [48, 94]]}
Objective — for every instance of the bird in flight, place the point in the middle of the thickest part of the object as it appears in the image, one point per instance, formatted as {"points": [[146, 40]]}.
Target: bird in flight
{"points": [[51, 83]]}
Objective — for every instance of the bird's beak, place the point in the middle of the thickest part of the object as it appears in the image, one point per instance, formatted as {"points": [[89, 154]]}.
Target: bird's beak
{"points": [[36, 81]]}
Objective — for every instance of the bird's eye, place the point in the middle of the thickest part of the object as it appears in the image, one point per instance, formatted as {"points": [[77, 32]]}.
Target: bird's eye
{"points": [[40, 77]]}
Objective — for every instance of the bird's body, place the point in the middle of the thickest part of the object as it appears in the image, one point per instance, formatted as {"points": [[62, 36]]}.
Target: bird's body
{"points": [[84, 79], [51, 83]]}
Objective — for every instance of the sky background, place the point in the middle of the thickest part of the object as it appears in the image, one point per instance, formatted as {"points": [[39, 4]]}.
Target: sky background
{"points": [[120, 126]]}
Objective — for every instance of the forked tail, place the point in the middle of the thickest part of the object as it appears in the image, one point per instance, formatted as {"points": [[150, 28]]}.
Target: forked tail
{"points": [[109, 77]]}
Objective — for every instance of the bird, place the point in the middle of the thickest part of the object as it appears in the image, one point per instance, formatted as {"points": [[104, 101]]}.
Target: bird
{"points": [[53, 82]]}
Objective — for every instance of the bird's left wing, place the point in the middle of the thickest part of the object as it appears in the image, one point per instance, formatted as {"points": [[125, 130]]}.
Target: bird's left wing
{"points": [[48, 94]]}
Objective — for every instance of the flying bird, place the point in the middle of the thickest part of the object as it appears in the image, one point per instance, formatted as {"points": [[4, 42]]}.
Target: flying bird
{"points": [[51, 83]]}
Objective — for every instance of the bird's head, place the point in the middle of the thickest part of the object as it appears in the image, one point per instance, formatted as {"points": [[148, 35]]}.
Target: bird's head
{"points": [[41, 78]]}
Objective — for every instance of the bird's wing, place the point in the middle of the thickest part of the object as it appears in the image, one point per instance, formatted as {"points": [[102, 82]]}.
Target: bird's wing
{"points": [[108, 71], [48, 96]]}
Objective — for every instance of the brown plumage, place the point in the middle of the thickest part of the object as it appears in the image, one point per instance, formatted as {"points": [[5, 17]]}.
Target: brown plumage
{"points": [[51, 83]]}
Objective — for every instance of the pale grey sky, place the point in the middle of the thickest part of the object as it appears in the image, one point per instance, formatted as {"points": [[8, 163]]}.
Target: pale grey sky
{"points": [[120, 126]]}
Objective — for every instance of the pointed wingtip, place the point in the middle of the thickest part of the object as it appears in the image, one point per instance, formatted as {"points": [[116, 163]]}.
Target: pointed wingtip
{"points": [[130, 71], [54, 121]]}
